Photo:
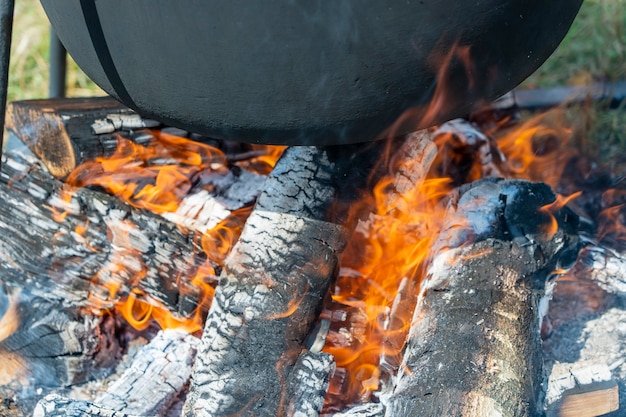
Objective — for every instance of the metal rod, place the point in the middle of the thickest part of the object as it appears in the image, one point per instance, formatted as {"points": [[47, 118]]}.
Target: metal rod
{"points": [[58, 67], [6, 27]]}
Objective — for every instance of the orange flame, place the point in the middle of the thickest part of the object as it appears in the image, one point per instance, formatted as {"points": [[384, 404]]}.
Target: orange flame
{"points": [[390, 245], [552, 226], [10, 320], [537, 150], [612, 219], [157, 177]]}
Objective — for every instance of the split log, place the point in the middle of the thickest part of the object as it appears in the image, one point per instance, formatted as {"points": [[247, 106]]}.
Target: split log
{"points": [[156, 376], [271, 287], [49, 345], [581, 390], [474, 346], [65, 132], [309, 381]]}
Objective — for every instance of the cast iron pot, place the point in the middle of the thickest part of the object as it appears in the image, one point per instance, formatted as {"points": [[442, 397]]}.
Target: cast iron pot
{"points": [[308, 72]]}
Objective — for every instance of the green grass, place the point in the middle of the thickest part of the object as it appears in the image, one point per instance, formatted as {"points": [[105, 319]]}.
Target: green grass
{"points": [[28, 76], [594, 48]]}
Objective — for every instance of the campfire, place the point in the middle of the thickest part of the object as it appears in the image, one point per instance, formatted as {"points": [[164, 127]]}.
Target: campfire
{"points": [[149, 271]]}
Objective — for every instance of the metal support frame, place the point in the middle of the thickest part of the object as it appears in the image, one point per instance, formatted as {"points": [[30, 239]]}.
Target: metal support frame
{"points": [[6, 28], [58, 67]]}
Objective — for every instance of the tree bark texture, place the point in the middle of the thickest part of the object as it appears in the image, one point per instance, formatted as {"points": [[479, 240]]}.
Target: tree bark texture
{"points": [[474, 346], [270, 292]]}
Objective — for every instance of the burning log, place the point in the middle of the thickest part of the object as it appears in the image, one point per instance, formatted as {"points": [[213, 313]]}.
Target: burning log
{"points": [[148, 387], [272, 286], [46, 344], [474, 346], [604, 266], [270, 291], [58, 259], [65, 132], [89, 243], [309, 381]]}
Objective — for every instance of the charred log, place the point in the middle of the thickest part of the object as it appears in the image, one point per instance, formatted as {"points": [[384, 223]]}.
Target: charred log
{"points": [[71, 248], [157, 375], [584, 337], [272, 285], [474, 347], [269, 292], [54, 405], [308, 382]]}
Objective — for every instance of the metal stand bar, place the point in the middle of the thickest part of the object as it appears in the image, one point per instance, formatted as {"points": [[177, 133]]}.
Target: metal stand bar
{"points": [[58, 67], [6, 27]]}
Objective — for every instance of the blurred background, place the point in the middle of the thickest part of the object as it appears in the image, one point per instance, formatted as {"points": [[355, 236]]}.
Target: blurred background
{"points": [[594, 49]]}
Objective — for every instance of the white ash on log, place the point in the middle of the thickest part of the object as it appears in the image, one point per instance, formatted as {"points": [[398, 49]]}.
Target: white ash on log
{"points": [[466, 153], [55, 405], [604, 266], [66, 245], [50, 346], [309, 381], [157, 375], [65, 132], [272, 286], [474, 346], [584, 338], [269, 292]]}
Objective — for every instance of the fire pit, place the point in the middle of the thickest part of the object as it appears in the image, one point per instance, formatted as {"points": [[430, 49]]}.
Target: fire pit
{"points": [[137, 268], [404, 276]]}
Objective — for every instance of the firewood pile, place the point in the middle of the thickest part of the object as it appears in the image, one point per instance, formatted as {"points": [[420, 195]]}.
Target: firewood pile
{"points": [[150, 272]]}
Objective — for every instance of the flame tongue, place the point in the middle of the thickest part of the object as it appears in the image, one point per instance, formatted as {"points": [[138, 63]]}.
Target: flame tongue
{"points": [[158, 176]]}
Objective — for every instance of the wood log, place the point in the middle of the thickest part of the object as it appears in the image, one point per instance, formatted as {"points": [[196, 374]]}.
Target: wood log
{"points": [[273, 282], [584, 338], [90, 243], [603, 266], [51, 346], [581, 390], [474, 346], [157, 375], [65, 132], [55, 405], [269, 293], [308, 383]]}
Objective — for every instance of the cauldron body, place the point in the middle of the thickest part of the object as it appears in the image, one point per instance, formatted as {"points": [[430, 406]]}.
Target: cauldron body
{"points": [[307, 72]]}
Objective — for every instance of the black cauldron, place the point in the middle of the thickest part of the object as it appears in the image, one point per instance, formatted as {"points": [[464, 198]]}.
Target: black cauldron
{"points": [[307, 72]]}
